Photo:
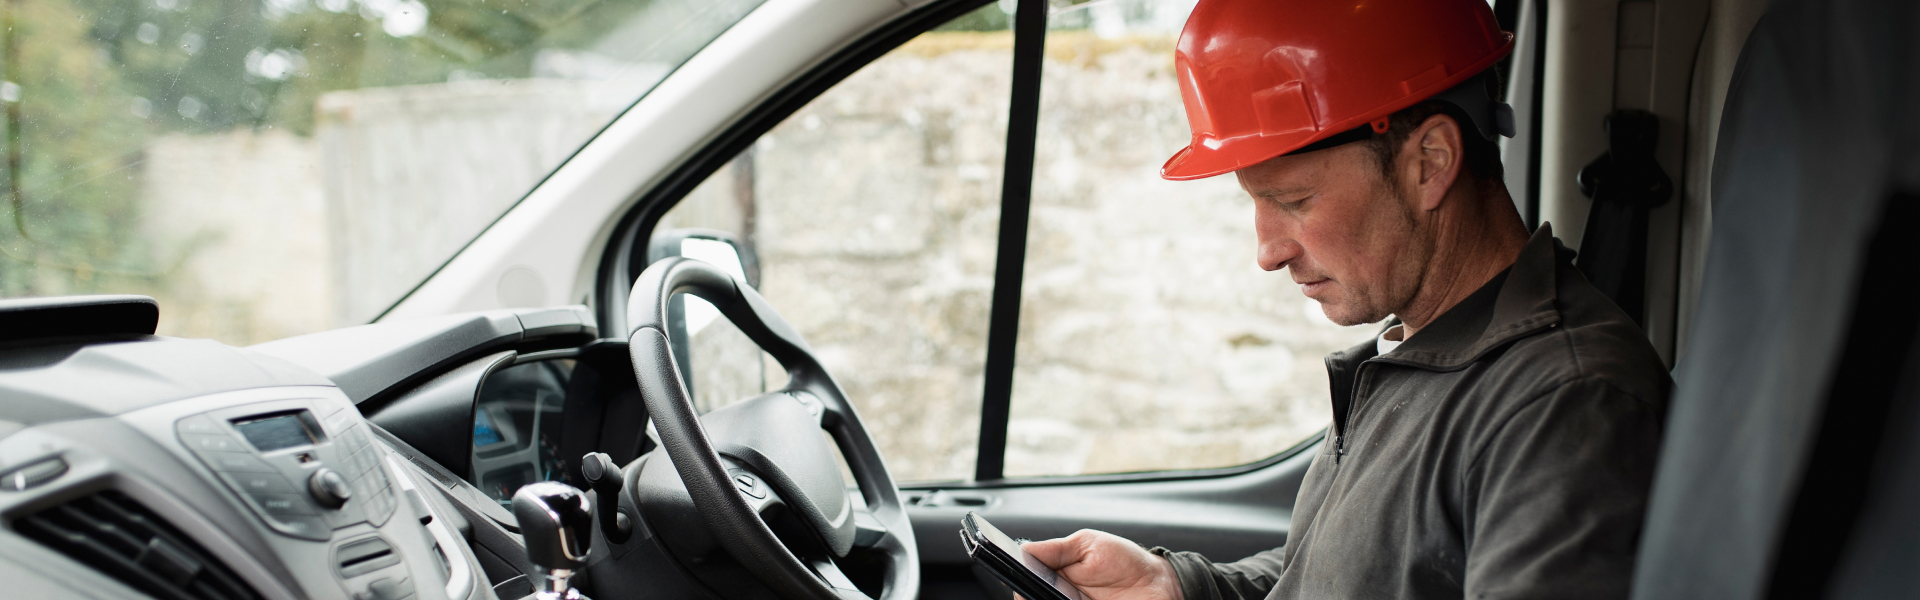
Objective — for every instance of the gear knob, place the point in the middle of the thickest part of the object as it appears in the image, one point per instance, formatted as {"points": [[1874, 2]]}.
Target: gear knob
{"points": [[557, 524]]}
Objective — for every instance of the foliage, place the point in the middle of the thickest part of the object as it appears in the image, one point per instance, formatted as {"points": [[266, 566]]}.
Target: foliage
{"points": [[92, 81], [72, 148]]}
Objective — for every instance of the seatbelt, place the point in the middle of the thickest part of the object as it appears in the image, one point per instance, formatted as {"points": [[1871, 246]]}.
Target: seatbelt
{"points": [[1625, 183]]}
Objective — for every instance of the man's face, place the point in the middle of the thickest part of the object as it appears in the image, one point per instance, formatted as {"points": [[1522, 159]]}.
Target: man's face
{"points": [[1340, 229]]}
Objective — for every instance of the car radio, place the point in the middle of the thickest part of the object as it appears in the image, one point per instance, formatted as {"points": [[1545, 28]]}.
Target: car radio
{"points": [[299, 479]]}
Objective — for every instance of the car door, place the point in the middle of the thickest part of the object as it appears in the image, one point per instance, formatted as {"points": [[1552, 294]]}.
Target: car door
{"points": [[1055, 338], [976, 241]]}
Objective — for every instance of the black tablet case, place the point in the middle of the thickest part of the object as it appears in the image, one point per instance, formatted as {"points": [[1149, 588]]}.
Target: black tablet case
{"points": [[1007, 568]]}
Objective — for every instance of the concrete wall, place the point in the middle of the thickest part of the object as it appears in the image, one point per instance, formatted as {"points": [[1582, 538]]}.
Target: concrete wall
{"points": [[413, 173], [282, 234], [238, 220]]}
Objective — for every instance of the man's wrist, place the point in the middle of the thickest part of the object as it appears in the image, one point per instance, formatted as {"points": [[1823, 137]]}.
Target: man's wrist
{"points": [[1166, 575], [1172, 579]]}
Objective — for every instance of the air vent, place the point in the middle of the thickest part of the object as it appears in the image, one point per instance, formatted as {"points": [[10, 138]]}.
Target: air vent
{"points": [[110, 532]]}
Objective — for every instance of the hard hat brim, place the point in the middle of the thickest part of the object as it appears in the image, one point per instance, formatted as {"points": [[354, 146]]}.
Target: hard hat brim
{"points": [[1197, 161]]}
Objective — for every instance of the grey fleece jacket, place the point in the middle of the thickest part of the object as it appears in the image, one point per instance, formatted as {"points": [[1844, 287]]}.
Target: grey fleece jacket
{"points": [[1504, 451]]}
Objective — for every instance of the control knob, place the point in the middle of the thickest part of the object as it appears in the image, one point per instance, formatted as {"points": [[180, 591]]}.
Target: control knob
{"points": [[329, 488]]}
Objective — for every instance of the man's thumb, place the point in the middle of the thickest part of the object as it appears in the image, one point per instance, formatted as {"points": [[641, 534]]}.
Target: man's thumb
{"points": [[1055, 553]]}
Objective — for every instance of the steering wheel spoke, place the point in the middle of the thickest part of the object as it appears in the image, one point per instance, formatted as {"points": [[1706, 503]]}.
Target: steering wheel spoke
{"points": [[868, 531], [830, 573]]}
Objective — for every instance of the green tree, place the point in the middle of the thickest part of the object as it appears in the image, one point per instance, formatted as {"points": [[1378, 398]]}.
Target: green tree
{"points": [[72, 156], [89, 83]]}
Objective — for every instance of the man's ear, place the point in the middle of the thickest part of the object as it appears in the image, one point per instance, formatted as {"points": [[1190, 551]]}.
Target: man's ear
{"points": [[1437, 152]]}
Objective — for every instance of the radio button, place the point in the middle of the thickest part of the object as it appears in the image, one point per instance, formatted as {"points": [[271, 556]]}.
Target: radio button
{"points": [[234, 461], [203, 442], [380, 507], [258, 483], [340, 421], [357, 463], [390, 588], [356, 438], [301, 526], [364, 487], [346, 515], [197, 424], [283, 504]]}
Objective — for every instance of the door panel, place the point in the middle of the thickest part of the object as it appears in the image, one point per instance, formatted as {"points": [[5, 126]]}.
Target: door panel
{"points": [[1224, 517]]}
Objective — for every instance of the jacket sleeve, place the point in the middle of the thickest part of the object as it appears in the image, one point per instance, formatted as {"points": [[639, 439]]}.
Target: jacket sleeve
{"points": [[1247, 579], [1554, 499]]}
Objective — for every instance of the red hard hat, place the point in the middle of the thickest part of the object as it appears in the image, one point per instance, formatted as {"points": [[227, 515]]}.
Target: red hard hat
{"points": [[1262, 78]]}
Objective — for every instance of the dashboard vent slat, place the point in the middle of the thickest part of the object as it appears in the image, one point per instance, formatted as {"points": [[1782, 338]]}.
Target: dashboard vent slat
{"points": [[122, 539]]}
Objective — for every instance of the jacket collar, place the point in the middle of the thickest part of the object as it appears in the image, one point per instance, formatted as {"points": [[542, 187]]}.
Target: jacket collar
{"points": [[1514, 304]]}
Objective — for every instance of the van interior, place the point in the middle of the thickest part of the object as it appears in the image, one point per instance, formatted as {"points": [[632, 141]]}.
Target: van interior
{"points": [[1735, 173]]}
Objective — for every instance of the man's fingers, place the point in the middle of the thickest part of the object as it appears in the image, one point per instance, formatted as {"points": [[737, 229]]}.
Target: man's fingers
{"points": [[1055, 552]]}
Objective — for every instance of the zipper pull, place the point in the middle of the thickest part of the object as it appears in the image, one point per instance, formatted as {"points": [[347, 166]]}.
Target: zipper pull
{"points": [[1339, 447]]}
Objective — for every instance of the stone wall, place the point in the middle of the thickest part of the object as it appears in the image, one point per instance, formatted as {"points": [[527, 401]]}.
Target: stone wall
{"points": [[1148, 338], [876, 213]]}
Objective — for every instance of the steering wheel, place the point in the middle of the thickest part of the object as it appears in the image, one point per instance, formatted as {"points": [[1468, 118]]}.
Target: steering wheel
{"points": [[738, 461]]}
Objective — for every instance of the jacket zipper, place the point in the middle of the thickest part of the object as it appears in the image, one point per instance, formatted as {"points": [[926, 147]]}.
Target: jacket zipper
{"points": [[1346, 419]]}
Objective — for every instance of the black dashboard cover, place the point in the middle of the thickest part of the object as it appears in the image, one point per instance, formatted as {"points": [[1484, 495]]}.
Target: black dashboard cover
{"points": [[70, 316]]}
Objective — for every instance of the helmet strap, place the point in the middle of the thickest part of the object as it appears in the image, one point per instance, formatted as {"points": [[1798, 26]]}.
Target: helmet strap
{"points": [[1349, 136], [1476, 97]]}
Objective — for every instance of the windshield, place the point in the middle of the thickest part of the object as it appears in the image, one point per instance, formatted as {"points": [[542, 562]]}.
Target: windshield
{"points": [[267, 168]]}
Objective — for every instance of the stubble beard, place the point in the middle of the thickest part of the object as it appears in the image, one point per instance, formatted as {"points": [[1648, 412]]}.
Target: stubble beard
{"points": [[1407, 273]]}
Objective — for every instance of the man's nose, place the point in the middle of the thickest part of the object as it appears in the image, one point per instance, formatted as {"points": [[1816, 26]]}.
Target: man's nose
{"points": [[1276, 246], [1275, 254]]}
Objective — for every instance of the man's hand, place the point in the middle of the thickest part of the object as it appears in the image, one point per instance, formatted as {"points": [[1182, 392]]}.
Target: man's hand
{"points": [[1108, 567]]}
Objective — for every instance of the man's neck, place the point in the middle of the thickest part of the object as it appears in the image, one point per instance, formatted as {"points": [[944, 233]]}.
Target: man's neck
{"points": [[1475, 239]]}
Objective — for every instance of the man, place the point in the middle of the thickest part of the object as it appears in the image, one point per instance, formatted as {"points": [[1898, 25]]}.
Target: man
{"points": [[1499, 441]]}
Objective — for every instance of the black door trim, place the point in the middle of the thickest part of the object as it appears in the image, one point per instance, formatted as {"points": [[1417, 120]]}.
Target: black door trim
{"points": [[1016, 201]]}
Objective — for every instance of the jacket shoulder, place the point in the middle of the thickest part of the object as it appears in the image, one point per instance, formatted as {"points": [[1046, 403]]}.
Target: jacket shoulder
{"points": [[1593, 342]]}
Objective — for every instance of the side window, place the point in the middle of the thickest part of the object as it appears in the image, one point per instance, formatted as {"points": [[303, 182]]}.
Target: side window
{"points": [[1149, 338], [871, 217]]}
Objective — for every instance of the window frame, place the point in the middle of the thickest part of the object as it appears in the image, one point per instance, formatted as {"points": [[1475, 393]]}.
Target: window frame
{"points": [[625, 256]]}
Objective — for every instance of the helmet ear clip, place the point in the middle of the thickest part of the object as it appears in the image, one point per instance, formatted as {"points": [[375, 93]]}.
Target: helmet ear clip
{"points": [[1380, 125]]}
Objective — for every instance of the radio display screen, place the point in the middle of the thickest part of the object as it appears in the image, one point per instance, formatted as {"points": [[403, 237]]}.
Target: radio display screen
{"points": [[278, 431]]}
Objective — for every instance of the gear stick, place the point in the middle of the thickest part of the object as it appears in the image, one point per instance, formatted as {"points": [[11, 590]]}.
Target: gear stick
{"points": [[558, 527]]}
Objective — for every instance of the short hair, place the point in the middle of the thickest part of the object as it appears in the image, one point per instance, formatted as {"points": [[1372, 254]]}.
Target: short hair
{"points": [[1481, 157]]}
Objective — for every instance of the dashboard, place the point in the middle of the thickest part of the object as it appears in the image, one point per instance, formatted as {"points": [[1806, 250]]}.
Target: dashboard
{"points": [[141, 466], [377, 462]]}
